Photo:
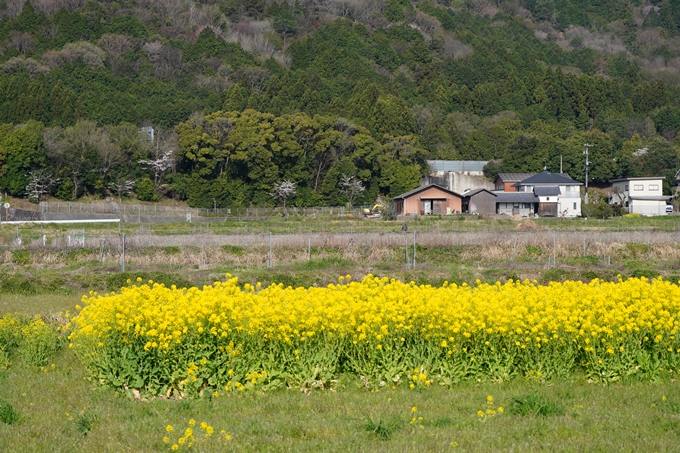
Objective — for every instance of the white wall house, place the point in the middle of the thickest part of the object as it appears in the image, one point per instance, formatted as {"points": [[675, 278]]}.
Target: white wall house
{"points": [[640, 195], [558, 195]]}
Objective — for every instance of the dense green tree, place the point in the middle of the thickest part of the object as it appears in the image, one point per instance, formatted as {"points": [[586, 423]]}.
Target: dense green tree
{"points": [[21, 150]]}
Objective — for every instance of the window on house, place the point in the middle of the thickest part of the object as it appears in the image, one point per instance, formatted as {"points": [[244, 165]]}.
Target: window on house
{"points": [[547, 198], [574, 205], [626, 189], [653, 187], [638, 187], [526, 205]]}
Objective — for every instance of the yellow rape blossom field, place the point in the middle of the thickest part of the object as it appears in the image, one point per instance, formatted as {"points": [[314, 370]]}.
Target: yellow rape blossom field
{"points": [[178, 342], [374, 365]]}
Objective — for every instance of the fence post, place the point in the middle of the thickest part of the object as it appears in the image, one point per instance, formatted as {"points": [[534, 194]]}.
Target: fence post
{"points": [[271, 257], [309, 249], [122, 264], [414, 250]]}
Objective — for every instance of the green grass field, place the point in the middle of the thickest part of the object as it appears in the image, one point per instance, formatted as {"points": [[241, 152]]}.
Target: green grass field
{"points": [[57, 409]]}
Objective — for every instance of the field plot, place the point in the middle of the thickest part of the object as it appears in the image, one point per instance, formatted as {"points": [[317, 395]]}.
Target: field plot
{"points": [[466, 341]]}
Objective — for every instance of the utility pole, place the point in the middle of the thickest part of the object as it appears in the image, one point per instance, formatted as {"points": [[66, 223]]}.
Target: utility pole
{"points": [[585, 153]]}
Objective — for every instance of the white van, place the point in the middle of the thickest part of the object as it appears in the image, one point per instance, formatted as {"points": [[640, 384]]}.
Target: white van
{"points": [[669, 208]]}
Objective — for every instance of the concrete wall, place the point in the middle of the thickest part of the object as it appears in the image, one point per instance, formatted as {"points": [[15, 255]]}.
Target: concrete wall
{"points": [[458, 182]]}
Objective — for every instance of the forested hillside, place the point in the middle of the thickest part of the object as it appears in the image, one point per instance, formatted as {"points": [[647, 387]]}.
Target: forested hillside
{"points": [[243, 94]]}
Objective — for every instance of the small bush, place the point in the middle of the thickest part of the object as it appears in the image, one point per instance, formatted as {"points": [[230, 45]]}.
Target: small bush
{"points": [[21, 257], [590, 275], [533, 250], [84, 422], [325, 263], [234, 250], [18, 285], [7, 413], [636, 248], [74, 255], [381, 428], [637, 273], [533, 405], [39, 341]]}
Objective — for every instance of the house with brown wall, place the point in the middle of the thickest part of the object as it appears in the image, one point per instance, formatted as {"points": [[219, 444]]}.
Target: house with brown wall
{"points": [[506, 181], [430, 199]]}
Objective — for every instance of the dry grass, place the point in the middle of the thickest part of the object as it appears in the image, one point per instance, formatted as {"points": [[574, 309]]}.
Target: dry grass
{"points": [[248, 250]]}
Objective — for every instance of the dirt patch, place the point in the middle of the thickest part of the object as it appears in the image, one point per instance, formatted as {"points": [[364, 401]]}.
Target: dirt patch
{"points": [[528, 225]]}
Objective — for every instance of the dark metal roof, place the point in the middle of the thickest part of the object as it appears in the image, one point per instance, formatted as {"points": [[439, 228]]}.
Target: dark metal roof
{"points": [[514, 177], [515, 197], [472, 193], [547, 177], [422, 188], [547, 190]]}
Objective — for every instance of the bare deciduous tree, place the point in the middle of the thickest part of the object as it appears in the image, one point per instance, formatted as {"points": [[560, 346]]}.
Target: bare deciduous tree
{"points": [[283, 191], [351, 188], [122, 187], [20, 41], [159, 166], [39, 183], [255, 76], [115, 46]]}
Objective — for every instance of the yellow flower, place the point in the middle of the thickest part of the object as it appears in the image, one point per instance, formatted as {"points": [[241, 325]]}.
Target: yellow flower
{"points": [[192, 422], [174, 447], [169, 428], [500, 409], [480, 414], [166, 440]]}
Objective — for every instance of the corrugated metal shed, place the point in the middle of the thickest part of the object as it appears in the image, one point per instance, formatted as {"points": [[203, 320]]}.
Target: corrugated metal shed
{"points": [[457, 165]]}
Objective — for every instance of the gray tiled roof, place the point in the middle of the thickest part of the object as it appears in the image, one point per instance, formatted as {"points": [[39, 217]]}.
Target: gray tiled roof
{"points": [[515, 197], [547, 190], [547, 177], [472, 193], [514, 177]]}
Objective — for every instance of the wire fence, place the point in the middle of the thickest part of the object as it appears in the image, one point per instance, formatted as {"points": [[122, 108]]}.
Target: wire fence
{"points": [[123, 209], [412, 249]]}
